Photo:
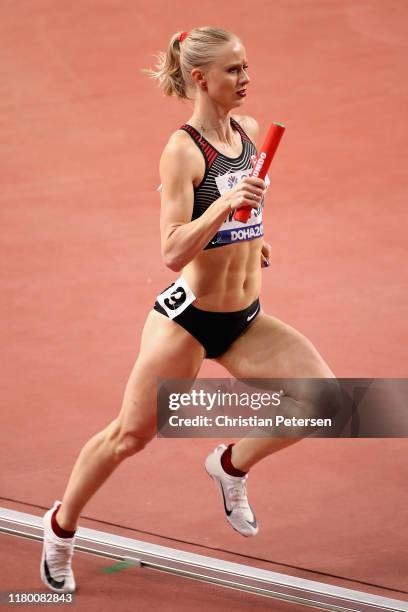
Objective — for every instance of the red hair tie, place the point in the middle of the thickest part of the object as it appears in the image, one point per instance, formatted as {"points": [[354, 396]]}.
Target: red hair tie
{"points": [[182, 36]]}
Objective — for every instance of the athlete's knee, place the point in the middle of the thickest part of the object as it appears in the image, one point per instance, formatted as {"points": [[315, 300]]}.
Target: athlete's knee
{"points": [[327, 398], [126, 442], [314, 398], [131, 443]]}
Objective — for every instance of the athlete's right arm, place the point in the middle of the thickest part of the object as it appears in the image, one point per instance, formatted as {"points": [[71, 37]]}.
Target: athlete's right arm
{"points": [[181, 238]]}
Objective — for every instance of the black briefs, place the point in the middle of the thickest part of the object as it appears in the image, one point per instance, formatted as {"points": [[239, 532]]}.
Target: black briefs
{"points": [[216, 331]]}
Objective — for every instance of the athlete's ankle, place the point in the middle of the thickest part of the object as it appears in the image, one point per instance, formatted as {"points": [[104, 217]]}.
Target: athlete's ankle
{"points": [[228, 463], [63, 523]]}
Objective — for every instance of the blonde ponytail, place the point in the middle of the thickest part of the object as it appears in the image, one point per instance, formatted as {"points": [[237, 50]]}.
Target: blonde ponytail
{"points": [[198, 48]]}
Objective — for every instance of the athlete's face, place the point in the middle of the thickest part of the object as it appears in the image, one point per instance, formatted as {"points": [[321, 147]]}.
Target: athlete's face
{"points": [[228, 75]]}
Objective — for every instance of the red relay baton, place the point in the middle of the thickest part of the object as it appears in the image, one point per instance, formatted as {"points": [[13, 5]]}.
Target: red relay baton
{"points": [[262, 163]]}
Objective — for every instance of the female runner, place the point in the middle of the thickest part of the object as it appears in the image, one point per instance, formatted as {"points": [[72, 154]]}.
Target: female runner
{"points": [[212, 310]]}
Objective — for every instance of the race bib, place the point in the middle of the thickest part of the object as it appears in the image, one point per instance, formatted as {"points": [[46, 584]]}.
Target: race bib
{"points": [[176, 298], [232, 230], [225, 182]]}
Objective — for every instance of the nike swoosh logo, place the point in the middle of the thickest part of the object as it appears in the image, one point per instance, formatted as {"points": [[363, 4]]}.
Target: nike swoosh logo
{"points": [[252, 315], [228, 512], [253, 523], [58, 584]]}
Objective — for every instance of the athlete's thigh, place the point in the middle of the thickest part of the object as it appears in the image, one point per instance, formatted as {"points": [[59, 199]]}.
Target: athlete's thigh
{"points": [[270, 348], [166, 351]]}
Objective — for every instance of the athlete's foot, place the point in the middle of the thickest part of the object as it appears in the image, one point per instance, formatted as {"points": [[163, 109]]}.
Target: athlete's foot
{"points": [[56, 571], [233, 491]]}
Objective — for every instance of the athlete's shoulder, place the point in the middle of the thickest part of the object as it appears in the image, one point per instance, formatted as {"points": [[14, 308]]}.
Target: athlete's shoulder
{"points": [[180, 158], [178, 147], [179, 139], [249, 125]]}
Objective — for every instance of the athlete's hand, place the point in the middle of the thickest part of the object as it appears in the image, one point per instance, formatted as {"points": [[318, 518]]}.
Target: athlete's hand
{"points": [[248, 192]]}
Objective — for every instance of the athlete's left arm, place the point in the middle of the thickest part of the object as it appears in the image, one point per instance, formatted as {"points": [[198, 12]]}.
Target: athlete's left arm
{"points": [[251, 127]]}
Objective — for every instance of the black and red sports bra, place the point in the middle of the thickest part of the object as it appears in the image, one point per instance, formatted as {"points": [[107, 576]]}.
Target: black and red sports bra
{"points": [[222, 173]]}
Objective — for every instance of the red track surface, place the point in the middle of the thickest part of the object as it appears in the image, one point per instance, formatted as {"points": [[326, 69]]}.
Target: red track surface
{"points": [[80, 138]]}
